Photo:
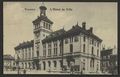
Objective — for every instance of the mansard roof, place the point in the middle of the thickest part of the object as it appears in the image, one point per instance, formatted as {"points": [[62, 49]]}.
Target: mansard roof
{"points": [[8, 57], [25, 45], [72, 32], [44, 18]]}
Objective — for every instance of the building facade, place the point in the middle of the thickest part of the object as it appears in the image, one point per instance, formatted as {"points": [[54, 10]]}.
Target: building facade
{"points": [[109, 63], [114, 64], [9, 63], [24, 55], [77, 49]]}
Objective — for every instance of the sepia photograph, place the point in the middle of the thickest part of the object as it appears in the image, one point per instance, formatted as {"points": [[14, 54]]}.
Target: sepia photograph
{"points": [[78, 38]]}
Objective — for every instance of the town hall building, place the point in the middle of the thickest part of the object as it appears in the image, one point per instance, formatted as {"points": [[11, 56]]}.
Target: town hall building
{"points": [[77, 49]]}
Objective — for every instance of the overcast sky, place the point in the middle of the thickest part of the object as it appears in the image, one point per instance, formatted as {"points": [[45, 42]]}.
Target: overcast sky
{"points": [[18, 25]]}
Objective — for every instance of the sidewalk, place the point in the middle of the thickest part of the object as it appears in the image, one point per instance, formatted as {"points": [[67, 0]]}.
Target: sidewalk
{"points": [[32, 72]]}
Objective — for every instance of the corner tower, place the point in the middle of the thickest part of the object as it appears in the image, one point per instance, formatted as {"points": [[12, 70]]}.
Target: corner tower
{"points": [[42, 28]]}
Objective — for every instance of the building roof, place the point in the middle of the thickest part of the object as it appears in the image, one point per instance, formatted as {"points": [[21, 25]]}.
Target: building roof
{"points": [[77, 29], [106, 52], [54, 35], [74, 31], [8, 57], [25, 45], [42, 18]]}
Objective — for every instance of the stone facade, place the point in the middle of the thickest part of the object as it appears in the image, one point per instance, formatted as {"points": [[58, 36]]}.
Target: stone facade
{"points": [[77, 49], [24, 55]]}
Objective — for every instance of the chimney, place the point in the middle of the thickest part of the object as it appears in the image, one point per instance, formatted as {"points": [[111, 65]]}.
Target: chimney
{"points": [[91, 29], [84, 25]]}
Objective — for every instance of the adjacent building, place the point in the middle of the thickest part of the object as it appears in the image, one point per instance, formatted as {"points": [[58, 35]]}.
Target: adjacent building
{"points": [[77, 49], [24, 55], [9, 63], [109, 61]]}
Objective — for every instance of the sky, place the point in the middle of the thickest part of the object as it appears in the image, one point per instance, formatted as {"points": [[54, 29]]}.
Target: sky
{"points": [[18, 26]]}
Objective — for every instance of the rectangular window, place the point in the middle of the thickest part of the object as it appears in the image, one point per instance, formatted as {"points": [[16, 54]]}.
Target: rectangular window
{"points": [[92, 41], [92, 63], [83, 47], [37, 53], [47, 25], [44, 50], [83, 66], [44, 53], [97, 52], [55, 48], [49, 52], [84, 38], [49, 49], [55, 64], [92, 50], [71, 48]]}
